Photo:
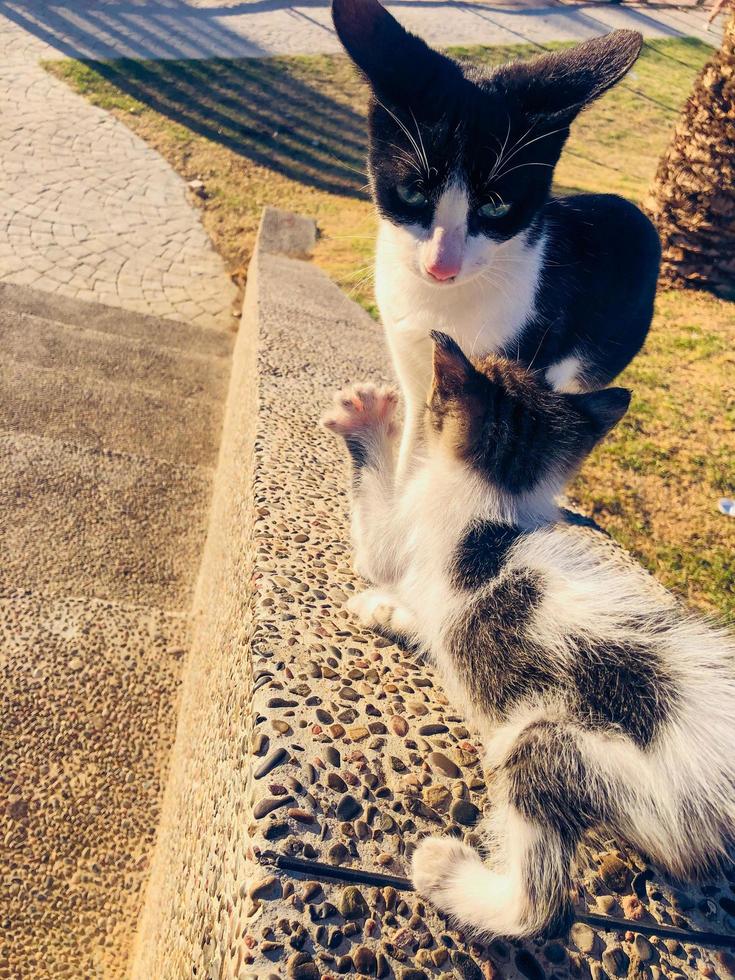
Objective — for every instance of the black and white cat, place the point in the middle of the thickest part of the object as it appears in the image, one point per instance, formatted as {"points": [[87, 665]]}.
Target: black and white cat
{"points": [[600, 702], [470, 241]]}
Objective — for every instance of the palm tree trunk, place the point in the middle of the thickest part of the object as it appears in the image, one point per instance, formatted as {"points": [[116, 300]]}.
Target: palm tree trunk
{"points": [[692, 201]]}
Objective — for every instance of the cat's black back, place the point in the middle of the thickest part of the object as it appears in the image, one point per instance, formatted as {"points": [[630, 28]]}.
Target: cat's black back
{"points": [[596, 297]]}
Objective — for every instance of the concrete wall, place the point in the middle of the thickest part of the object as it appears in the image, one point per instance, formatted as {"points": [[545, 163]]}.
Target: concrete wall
{"points": [[302, 733]]}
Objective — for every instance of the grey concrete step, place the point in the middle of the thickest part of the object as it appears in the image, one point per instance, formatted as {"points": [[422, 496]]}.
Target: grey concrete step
{"points": [[93, 354], [108, 416], [112, 319], [109, 426], [89, 690], [79, 521]]}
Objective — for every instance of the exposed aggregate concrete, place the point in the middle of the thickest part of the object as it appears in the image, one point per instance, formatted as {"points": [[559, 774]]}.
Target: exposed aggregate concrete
{"points": [[303, 733]]}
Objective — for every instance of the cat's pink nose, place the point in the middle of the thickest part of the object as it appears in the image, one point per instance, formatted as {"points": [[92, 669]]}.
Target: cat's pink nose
{"points": [[443, 270], [443, 253]]}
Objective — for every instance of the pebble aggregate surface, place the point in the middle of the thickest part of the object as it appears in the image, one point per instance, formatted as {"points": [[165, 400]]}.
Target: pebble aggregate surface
{"points": [[353, 751]]}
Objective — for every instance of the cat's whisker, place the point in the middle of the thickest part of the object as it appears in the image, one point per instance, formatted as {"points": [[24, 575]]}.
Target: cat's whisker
{"points": [[538, 349], [421, 142], [405, 156], [357, 272], [342, 163], [502, 159], [516, 150], [499, 283], [520, 166], [502, 150], [403, 127], [356, 288]]}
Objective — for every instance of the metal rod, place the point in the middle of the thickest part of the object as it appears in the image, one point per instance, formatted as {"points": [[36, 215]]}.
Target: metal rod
{"points": [[317, 869]]}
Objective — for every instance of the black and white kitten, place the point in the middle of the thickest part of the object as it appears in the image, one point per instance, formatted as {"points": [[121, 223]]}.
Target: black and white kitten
{"points": [[470, 241], [600, 703]]}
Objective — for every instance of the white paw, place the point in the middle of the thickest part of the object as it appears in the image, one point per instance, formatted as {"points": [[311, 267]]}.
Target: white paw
{"points": [[435, 862], [361, 409], [379, 610], [372, 608]]}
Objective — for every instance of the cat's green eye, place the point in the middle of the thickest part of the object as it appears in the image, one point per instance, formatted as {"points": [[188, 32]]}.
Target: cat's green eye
{"points": [[411, 195], [492, 210]]}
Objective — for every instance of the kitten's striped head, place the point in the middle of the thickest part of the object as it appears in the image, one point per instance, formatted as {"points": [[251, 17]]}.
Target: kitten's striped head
{"points": [[509, 424]]}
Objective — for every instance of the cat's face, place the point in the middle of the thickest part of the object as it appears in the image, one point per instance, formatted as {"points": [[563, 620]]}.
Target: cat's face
{"points": [[471, 184], [461, 162], [508, 424]]}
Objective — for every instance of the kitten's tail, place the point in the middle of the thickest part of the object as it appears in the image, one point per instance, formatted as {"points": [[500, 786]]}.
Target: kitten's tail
{"points": [[538, 819], [527, 895]]}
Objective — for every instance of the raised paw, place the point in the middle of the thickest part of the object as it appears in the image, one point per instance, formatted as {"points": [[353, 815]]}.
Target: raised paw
{"points": [[362, 408], [435, 861]]}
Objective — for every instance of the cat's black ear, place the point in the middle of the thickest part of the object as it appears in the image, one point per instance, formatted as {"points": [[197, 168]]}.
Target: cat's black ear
{"points": [[561, 83], [397, 64], [603, 409], [452, 370]]}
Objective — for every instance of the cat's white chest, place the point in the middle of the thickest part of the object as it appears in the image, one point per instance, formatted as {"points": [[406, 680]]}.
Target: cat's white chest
{"points": [[483, 314]]}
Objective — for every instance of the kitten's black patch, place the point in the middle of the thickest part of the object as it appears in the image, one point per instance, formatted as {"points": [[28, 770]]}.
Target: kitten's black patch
{"points": [[548, 885], [609, 686], [358, 452], [623, 686], [494, 660], [550, 784], [481, 554]]}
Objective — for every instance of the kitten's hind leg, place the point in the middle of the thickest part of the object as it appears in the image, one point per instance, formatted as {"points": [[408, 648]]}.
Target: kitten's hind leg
{"points": [[381, 611]]}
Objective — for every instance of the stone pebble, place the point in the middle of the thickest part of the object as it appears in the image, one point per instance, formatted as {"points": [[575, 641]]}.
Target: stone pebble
{"points": [[348, 807], [352, 904], [270, 803], [445, 765], [616, 874], [276, 757]]}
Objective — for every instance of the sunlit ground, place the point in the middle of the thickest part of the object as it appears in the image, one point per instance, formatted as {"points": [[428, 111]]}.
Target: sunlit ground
{"points": [[290, 132]]}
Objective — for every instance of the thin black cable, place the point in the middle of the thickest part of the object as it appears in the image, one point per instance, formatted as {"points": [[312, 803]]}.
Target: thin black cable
{"points": [[317, 869]]}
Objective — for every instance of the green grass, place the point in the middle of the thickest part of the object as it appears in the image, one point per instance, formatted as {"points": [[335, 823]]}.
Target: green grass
{"points": [[290, 132]]}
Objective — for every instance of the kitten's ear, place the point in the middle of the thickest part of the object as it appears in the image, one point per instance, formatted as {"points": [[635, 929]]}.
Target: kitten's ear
{"points": [[397, 64], [452, 370], [603, 409], [562, 83]]}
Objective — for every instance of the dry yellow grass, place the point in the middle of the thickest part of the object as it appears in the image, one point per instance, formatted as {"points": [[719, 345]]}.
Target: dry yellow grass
{"points": [[290, 132]]}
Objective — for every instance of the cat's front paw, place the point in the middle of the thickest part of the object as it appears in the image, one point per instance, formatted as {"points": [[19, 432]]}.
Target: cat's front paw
{"points": [[435, 861], [362, 408], [380, 611]]}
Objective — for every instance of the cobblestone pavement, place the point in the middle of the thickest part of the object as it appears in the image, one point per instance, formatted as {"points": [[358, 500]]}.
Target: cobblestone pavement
{"points": [[89, 210]]}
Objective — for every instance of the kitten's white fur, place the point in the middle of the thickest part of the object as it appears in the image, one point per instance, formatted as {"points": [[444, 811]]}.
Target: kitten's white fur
{"points": [[483, 309], [677, 794]]}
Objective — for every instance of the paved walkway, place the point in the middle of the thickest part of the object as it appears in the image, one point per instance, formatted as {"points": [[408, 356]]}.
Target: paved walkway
{"points": [[228, 28], [88, 210]]}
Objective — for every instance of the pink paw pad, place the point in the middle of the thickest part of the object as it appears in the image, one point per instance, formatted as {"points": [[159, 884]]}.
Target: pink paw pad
{"points": [[362, 408]]}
